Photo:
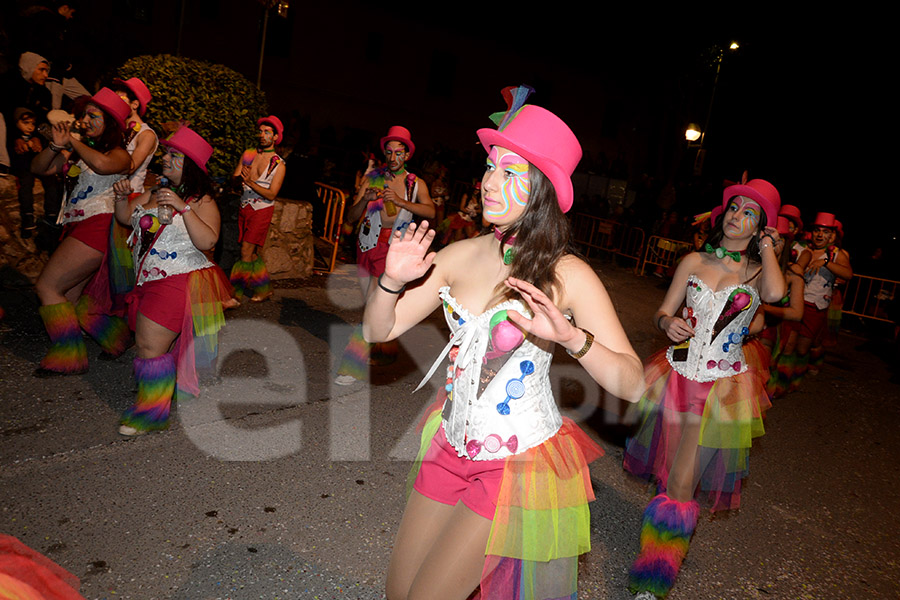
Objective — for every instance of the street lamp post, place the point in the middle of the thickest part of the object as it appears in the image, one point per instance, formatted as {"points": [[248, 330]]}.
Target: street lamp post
{"points": [[282, 6], [701, 152]]}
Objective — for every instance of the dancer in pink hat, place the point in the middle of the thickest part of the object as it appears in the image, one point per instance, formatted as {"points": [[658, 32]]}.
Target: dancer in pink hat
{"points": [[175, 309], [140, 139], [90, 164], [386, 202], [704, 402], [261, 172], [501, 485], [828, 264]]}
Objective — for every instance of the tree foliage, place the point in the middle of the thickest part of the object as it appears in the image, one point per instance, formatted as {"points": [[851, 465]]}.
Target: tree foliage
{"points": [[218, 103]]}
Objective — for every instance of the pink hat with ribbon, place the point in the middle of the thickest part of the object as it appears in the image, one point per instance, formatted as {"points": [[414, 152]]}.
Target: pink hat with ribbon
{"points": [[189, 143], [275, 123], [140, 91], [824, 219], [760, 191], [112, 104], [540, 137], [792, 213], [400, 134]]}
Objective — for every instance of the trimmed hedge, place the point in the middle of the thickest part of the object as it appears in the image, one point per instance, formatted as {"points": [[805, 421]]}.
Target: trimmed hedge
{"points": [[218, 103]]}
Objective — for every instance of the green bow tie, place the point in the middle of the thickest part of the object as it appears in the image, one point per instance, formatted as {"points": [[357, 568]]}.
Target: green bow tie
{"points": [[721, 252]]}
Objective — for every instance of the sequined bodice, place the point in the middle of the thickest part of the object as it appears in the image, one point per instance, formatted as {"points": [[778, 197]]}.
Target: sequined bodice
{"points": [[172, 253], [499, 398], [721, 322]]}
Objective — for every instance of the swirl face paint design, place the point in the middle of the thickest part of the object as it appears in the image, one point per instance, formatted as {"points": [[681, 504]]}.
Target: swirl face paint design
{"points": [[93, 121], [514, 188], [173, 164], [743, 216]]}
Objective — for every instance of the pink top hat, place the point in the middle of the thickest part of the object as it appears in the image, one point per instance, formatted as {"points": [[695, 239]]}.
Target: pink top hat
{"points": [[545, 141], [793, 213], [824, 219], [760, 191], [112, 104], [189, 143], [398, 133], [140, 91], [275, 123]]}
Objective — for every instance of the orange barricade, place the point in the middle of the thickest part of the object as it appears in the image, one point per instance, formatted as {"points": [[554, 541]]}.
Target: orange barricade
{"points": [[333, 200]]}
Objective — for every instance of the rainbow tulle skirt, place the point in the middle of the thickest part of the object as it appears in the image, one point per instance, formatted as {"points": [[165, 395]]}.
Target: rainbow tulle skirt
{"points": [[731, 415], [542, 521]]}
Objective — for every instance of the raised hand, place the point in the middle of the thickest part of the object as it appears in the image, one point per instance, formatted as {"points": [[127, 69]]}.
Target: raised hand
{"points": [[61, 134], [547, 321], [408, 258]]}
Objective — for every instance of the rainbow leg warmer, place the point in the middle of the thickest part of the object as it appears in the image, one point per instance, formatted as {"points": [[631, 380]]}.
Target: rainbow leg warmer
{"points": [[258, 282], [110, 331], [156, 385], [68, 354], [355, 361], [665, 537], [801, 366], [240, 273]]}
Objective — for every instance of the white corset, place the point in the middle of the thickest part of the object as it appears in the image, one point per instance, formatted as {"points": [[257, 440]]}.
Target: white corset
{"points": [[93, 195], [721, 324], [173, 252], [516, 410], [137, 178]]}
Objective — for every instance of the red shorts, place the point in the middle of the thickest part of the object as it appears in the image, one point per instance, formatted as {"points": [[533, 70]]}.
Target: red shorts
{"points": [[253, 225], [686, 394], [162, 301], [371, 263], [93, 231], [813, 323], [447, 478]]}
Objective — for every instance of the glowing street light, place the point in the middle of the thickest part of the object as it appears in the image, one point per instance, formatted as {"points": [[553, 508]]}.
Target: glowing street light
{"points": [[692, 133]]}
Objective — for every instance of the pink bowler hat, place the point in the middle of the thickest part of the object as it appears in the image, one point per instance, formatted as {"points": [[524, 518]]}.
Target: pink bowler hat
{"points": [[542, 139], [189, 143], [760, 191], [792, 213], [398, 133], [112, 104], [824, 219], [140, 91], [275, 123]]}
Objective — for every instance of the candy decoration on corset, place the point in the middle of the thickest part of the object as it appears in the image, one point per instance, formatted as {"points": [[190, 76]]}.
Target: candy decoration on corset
{"points": [[515, 388], [492, 443], [505, 337]]}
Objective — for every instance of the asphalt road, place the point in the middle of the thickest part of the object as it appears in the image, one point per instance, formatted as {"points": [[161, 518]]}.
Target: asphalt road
{"points": [[277, 484]]}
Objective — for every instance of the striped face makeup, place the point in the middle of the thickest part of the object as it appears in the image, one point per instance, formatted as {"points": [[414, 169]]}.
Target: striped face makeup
{"points": [[93, 121], [742, 217], [505, 186]]}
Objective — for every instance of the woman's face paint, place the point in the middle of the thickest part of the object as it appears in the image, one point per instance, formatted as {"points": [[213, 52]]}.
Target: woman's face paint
{"points": [[173, 165], [93, 121], [505, 185], [742, 217]]}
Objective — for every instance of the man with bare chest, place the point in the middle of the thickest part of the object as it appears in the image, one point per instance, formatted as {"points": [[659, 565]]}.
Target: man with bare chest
{"points": [[261, 172], [387, 201]]}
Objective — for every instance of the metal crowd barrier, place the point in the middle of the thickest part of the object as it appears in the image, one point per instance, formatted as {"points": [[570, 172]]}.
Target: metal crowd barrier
{"points": [[605, 235], [663, 252], [333, 200], [869, 297]]}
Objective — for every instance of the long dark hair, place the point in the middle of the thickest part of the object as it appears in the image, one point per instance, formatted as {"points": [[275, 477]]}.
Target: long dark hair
{"points": [[194, 182], [543, 235]]}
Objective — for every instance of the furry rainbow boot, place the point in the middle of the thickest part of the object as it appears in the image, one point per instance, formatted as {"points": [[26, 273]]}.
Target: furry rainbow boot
{"points": [[110, 331], [68, 354], [240, 273], [665, 537], [258, 282], [156, 385]]}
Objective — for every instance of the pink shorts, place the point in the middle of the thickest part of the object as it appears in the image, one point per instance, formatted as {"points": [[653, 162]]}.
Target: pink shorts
{"points": [[162, 301], [371, 263], [447, 478], [687, 395], [253, 225], [93, 231]]}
